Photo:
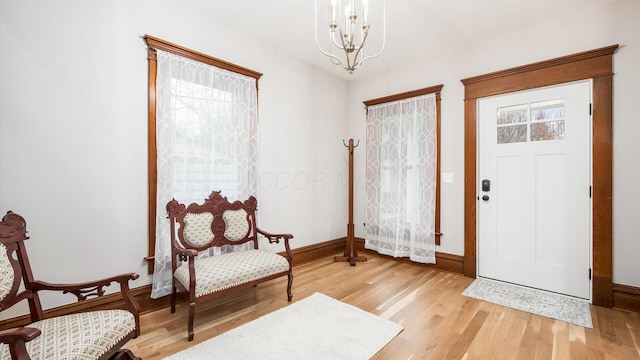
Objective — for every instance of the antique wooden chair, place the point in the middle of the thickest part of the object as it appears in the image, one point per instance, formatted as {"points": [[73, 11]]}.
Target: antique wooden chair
{"points": [[88, 335], [215, 223]]}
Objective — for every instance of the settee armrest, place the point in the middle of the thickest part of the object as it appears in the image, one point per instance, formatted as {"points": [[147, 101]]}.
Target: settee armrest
{"points": [[275, 239], [16, 339], [188, 255], [91, 289], [182, 252]]}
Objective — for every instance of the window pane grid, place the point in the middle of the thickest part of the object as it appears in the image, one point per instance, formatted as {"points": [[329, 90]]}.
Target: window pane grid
{"points": [[538, 121]]}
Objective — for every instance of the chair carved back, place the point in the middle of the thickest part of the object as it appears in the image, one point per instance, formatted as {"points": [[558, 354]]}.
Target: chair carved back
{"points": [[216, 222], [15, 267]]}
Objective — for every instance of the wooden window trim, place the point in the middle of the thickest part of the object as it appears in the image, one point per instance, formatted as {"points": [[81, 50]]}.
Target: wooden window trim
{"points": [[596, 65], [436, 89], [159, 44], [154, 44]]}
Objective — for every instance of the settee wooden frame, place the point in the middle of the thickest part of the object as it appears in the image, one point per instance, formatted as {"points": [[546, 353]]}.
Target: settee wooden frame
{"points": [[182, 251]]}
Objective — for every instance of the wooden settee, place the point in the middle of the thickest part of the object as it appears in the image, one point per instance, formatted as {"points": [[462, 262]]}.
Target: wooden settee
{"points": [[197, 228]]}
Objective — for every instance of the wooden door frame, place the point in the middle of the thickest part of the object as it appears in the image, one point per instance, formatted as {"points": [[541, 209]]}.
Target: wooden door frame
{"points": [[596, 65]]}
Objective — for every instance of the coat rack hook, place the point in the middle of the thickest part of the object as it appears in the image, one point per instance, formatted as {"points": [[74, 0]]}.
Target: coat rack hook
{"points": [[354, 146]]}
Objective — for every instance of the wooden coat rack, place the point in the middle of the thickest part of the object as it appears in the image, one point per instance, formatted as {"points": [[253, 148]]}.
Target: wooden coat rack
{"points": [[350, 253]]}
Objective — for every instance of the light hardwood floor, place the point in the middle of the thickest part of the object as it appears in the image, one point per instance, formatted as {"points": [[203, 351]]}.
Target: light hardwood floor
{"points": [[439, 322]]}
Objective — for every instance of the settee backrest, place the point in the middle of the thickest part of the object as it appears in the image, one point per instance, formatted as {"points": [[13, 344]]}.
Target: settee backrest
{"points": [[215, 222]]}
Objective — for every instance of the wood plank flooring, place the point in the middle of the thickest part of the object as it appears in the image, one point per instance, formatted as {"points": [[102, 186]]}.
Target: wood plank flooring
{"points": [[439, 322]]}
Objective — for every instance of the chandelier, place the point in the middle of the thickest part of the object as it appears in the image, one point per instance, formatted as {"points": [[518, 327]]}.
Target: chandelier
{"points": [[349, 32]]}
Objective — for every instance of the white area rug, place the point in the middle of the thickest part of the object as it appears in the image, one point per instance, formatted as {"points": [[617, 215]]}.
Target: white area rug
{"points": [[555, 306], [316, 327]]}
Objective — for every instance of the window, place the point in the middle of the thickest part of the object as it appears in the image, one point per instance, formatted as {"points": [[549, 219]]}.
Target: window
{"points": [[402, 180], [202, 137], [538, 121]]}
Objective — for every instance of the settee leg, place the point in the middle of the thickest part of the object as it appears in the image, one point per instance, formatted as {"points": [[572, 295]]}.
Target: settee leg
{"points": [[192, 314], [289, 283], [173, 300]]}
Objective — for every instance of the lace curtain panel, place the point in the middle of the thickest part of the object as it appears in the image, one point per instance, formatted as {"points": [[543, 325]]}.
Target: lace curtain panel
{"points": [[206, 131], [401, 178]]}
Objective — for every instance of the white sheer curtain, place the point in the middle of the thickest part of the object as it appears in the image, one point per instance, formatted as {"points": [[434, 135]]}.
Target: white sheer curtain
{"points": [[206, 129], [401, 178]]}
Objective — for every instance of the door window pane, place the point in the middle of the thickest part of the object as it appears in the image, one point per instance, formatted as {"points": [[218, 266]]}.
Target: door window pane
{"points": [[512, 134], [547, 110], [513, 114], [547, 120], [538, 121], [548, 130]]}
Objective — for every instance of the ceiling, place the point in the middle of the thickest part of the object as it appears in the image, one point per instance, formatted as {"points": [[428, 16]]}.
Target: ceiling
{"points": [[416, 29]]}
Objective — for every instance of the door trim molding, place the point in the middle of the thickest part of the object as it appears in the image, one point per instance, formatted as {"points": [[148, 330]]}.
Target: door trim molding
{"points": [[594, 64]]}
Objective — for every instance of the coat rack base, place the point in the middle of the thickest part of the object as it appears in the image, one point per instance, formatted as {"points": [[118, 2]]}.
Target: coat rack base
{"points": [[350, 253], [351, 259]]}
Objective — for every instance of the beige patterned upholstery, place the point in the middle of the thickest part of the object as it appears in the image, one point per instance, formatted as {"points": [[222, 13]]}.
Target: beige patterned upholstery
{"points": [[230, 228], [236, 224], [197, 229], [80, 336], [225, 271], [6, 273]]}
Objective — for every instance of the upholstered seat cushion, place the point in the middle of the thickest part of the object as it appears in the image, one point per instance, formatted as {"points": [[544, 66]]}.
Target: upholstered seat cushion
{"points": [[224, 271], [80, 336]]}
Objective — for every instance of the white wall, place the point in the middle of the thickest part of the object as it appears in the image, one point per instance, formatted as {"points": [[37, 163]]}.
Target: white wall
{"points": [[73, 125], [73, 132], [590, 27]]}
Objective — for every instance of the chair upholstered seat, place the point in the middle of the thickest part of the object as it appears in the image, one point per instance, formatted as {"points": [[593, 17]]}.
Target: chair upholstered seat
{"points": [[225, 271], [79, 336]]}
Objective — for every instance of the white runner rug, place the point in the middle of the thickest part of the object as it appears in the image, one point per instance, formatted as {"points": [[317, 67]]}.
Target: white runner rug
{"points": [[316, 327], [555, 306]]}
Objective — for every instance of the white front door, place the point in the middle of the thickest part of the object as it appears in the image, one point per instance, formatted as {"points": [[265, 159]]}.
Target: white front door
{"points": [[534, 198]]}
